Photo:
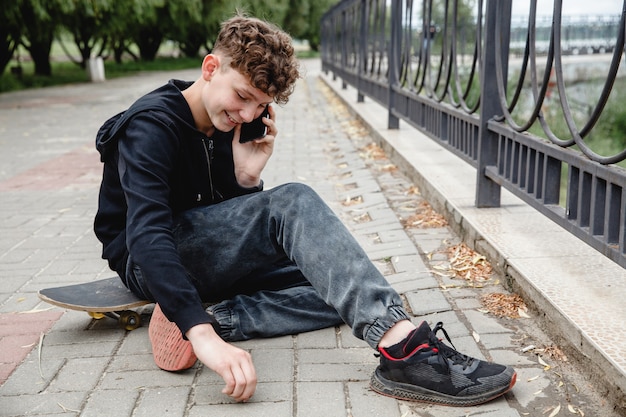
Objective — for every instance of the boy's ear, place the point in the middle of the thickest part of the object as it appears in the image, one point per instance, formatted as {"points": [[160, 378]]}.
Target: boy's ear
{"points": [[210, 65]]}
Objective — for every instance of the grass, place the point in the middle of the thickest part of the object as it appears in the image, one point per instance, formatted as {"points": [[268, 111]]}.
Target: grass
{"points": [[68, 72], [65, 72], [608, 137]]}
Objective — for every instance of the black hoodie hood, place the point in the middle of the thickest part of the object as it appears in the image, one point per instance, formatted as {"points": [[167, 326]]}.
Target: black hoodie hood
{"points": [[164, 99]]}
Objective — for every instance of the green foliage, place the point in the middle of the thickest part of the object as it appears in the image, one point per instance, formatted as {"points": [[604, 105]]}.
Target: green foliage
{"points": [[608, 136], [87, 21], [271, 10], [612, 123], [297, 24], [316, 10], [121, 27], [202, 22], [150, 26]]}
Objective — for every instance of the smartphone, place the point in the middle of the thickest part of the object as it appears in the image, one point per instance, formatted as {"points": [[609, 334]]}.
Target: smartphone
{"points": [[256, 129]]}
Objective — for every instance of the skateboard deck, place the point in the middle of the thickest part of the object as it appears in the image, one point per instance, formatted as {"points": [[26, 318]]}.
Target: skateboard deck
{"points": [[105, 297]]}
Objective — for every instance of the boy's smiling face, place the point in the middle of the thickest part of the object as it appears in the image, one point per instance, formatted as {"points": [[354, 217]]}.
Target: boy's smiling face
{"points": [[228, 97]]}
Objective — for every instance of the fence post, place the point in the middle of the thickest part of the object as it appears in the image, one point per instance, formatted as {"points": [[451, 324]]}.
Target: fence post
{"points": [[487, 191], [394, 57], [362, 59], [344, 47]]}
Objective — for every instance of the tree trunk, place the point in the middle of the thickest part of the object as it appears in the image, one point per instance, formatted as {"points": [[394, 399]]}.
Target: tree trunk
{"points": [[37, 38], [7, 48], [40, 54], [149, 40]]}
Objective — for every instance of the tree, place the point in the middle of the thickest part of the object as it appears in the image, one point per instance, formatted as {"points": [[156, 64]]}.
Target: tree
{"points": [[201, 29], [115, 25], [201, 19], [86, 21], [317, 9], [271, 10], [297, 23], [9, 31], [464, 24], [150, 22], [39, 22], [190, 35], [118, 29]]}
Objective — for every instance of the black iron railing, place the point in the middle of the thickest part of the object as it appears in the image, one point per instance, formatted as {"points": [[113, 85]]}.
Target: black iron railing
{"points": [[449, 70]]}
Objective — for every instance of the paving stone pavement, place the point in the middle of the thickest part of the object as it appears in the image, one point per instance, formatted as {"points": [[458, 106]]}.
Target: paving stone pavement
{"points": [[49, 177]]}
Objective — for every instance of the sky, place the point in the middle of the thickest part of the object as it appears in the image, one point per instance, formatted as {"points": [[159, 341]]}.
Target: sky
{"points": [[571, 7]]}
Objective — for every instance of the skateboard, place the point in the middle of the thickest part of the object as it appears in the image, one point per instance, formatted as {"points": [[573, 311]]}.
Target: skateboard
{"points": [[106, 297]]}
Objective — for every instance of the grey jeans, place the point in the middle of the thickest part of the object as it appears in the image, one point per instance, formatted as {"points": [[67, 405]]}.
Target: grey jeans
{"points": [[280, 262]]}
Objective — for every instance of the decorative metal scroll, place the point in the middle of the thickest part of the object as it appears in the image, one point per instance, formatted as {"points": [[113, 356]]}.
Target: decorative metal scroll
{"points": [[493, 88]]}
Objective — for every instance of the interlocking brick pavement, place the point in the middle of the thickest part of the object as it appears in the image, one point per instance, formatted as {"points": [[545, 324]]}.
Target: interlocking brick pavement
{"points": [[19, 334]]}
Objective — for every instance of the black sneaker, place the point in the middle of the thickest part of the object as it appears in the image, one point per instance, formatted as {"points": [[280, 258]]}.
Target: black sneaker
{"points": [[423, 368]]}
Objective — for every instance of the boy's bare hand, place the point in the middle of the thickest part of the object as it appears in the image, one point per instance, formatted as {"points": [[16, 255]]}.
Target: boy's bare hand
{"points": [[251, 157], [234, 365]]}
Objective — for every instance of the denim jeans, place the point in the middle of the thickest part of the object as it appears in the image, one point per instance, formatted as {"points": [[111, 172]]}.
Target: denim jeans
{"points": [[281, 262]]}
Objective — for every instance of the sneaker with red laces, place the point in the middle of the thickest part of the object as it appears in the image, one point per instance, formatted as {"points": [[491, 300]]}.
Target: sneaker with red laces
{"points": [[170, 351], [423, 368]]}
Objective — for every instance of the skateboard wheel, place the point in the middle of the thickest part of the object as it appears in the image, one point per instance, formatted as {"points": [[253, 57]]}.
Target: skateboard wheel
{"points": [[96, 315], [129, 320]]}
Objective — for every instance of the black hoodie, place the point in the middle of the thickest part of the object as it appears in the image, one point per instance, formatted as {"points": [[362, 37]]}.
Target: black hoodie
{"points": [[157, 164]]}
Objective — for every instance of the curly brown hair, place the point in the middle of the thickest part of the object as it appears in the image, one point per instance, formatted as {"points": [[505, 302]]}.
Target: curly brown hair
{"points": [[261, 51]]}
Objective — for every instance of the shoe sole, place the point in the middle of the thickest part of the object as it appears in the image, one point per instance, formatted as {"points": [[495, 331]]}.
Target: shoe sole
{"points": [[410, 392], [169, 350]]}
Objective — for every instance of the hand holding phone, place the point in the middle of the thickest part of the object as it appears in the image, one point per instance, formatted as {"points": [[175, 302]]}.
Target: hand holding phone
{"points": [[256, 129]]}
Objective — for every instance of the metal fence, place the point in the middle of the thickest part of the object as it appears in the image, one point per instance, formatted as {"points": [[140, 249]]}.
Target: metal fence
{"points": [[446, 68]]}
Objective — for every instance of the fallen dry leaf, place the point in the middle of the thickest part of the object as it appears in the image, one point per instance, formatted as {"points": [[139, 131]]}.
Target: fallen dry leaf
{"points": [[425, 218], [546, 367], [351, 201], [356, 129], [503, 305], [468, 264], [373, 151], [362, 218], [388, 168], [555, 353], [413, 190], [556, 411]]}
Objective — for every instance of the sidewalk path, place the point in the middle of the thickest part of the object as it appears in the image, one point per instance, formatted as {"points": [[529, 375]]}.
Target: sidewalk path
{"points": [[57, 362]]}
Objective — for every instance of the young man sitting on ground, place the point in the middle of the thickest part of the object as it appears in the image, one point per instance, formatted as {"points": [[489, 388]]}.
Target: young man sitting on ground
{"points": [[184, 221]]}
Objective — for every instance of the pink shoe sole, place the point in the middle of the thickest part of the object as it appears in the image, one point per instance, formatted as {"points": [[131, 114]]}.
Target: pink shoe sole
{"points": [[170, 351]]}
